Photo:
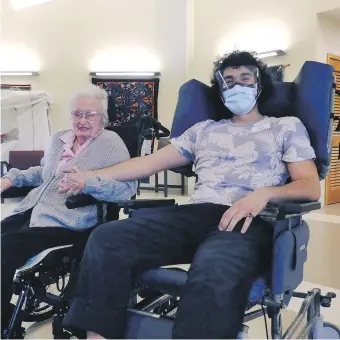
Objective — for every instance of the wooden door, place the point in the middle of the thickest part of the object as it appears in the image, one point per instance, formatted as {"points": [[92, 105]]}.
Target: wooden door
{"points": [[332, 194]]}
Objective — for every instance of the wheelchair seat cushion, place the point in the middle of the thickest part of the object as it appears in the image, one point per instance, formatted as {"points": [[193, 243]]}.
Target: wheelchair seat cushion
{"points": [[172, 280]]}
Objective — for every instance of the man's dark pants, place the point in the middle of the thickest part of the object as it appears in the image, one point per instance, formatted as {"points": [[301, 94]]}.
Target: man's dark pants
{"points": [[224, 265]]}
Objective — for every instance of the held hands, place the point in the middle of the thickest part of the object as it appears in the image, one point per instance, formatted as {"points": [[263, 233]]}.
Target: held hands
{"points": [[6, 183], [73, 182], [247, 207]]}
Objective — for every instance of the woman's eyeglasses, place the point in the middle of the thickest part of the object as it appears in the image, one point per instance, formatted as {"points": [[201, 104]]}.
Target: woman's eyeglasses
{"points": [[89, 115]]}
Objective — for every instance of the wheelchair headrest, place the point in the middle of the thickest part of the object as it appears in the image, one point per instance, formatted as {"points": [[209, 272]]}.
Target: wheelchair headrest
{"points": [[309, 98], [281, 103], [130, 136]]}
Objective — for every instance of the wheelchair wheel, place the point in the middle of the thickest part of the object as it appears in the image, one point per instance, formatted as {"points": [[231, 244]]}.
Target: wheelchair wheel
{"points": [[328, 331], [36, 310]]}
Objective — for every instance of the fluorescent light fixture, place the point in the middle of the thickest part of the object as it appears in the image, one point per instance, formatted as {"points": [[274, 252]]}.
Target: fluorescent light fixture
{"points": [[21, 4], [18, 73], [270, 54], [125, 74]]}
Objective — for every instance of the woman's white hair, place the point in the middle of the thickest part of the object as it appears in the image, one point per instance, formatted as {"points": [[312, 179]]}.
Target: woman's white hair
{"points": [[93, 91]]}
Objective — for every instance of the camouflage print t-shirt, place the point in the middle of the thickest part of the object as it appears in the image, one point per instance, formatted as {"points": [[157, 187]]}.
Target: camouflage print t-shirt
{"points": [[232, 161]]}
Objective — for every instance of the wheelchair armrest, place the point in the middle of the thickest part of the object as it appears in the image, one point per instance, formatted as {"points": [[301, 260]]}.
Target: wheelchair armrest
{"points": [[80, 201], [147, 203], [287, 208], [16, 192]]}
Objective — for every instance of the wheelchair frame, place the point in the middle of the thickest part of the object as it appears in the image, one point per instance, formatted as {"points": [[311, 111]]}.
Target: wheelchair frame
{"points": [[311, 327], [30, 282], [307, 323]]}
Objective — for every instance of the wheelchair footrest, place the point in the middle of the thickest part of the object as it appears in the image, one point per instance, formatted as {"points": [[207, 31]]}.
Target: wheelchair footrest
{"points": [[142, 325]]}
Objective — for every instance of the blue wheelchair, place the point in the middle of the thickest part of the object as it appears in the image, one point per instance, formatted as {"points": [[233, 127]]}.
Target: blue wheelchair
{"points": [[154, 302]]}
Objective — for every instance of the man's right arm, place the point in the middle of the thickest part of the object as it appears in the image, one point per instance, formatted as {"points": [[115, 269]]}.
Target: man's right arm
{"points": [[141, 167]]}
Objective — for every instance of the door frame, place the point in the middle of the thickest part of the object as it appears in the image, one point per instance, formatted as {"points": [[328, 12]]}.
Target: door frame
{"points": [[335, 139]]}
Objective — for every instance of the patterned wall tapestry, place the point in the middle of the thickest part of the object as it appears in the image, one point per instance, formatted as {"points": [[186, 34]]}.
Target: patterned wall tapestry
{"points": [[129, 99], [276, 72]]}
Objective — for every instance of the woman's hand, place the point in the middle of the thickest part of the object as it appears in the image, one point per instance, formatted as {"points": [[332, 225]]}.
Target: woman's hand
{"points": [[6, 183], [73, 182], [247, 207]]}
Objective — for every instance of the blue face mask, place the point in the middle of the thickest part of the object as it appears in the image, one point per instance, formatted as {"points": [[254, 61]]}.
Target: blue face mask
{"points": [[240, 100]]}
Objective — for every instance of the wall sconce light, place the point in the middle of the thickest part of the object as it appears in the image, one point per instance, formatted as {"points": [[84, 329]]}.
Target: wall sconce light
{"points": [[276, 53], [18, 73], [124, 74]]}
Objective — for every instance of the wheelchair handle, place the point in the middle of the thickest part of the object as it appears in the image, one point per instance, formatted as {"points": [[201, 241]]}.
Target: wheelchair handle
{"points": [[160, 130]]}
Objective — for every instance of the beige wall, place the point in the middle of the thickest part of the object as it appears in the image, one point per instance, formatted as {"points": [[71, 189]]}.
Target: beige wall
{"points": [[65, 36], [261, 25], [329, 34], [180, 38]]}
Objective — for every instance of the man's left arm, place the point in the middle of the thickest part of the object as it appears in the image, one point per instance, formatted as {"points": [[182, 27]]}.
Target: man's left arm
{"points": [[304, 185]]}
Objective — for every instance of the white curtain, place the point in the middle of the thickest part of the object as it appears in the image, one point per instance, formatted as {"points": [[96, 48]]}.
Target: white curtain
{"points": [[25, 121]]}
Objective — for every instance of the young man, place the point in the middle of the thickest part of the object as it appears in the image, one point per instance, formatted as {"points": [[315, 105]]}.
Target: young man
{"points": [[242, 164]]}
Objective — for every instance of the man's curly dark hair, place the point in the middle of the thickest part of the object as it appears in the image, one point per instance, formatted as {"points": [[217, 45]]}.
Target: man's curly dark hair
{"points": [[239, 58]]}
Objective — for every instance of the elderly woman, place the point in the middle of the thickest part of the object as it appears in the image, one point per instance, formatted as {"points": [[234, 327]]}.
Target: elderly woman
{"points": [[42, 220]]}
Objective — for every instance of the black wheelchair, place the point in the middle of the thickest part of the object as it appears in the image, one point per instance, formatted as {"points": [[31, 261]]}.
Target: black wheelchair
{"points": [[42, 284], [154, 302]]}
